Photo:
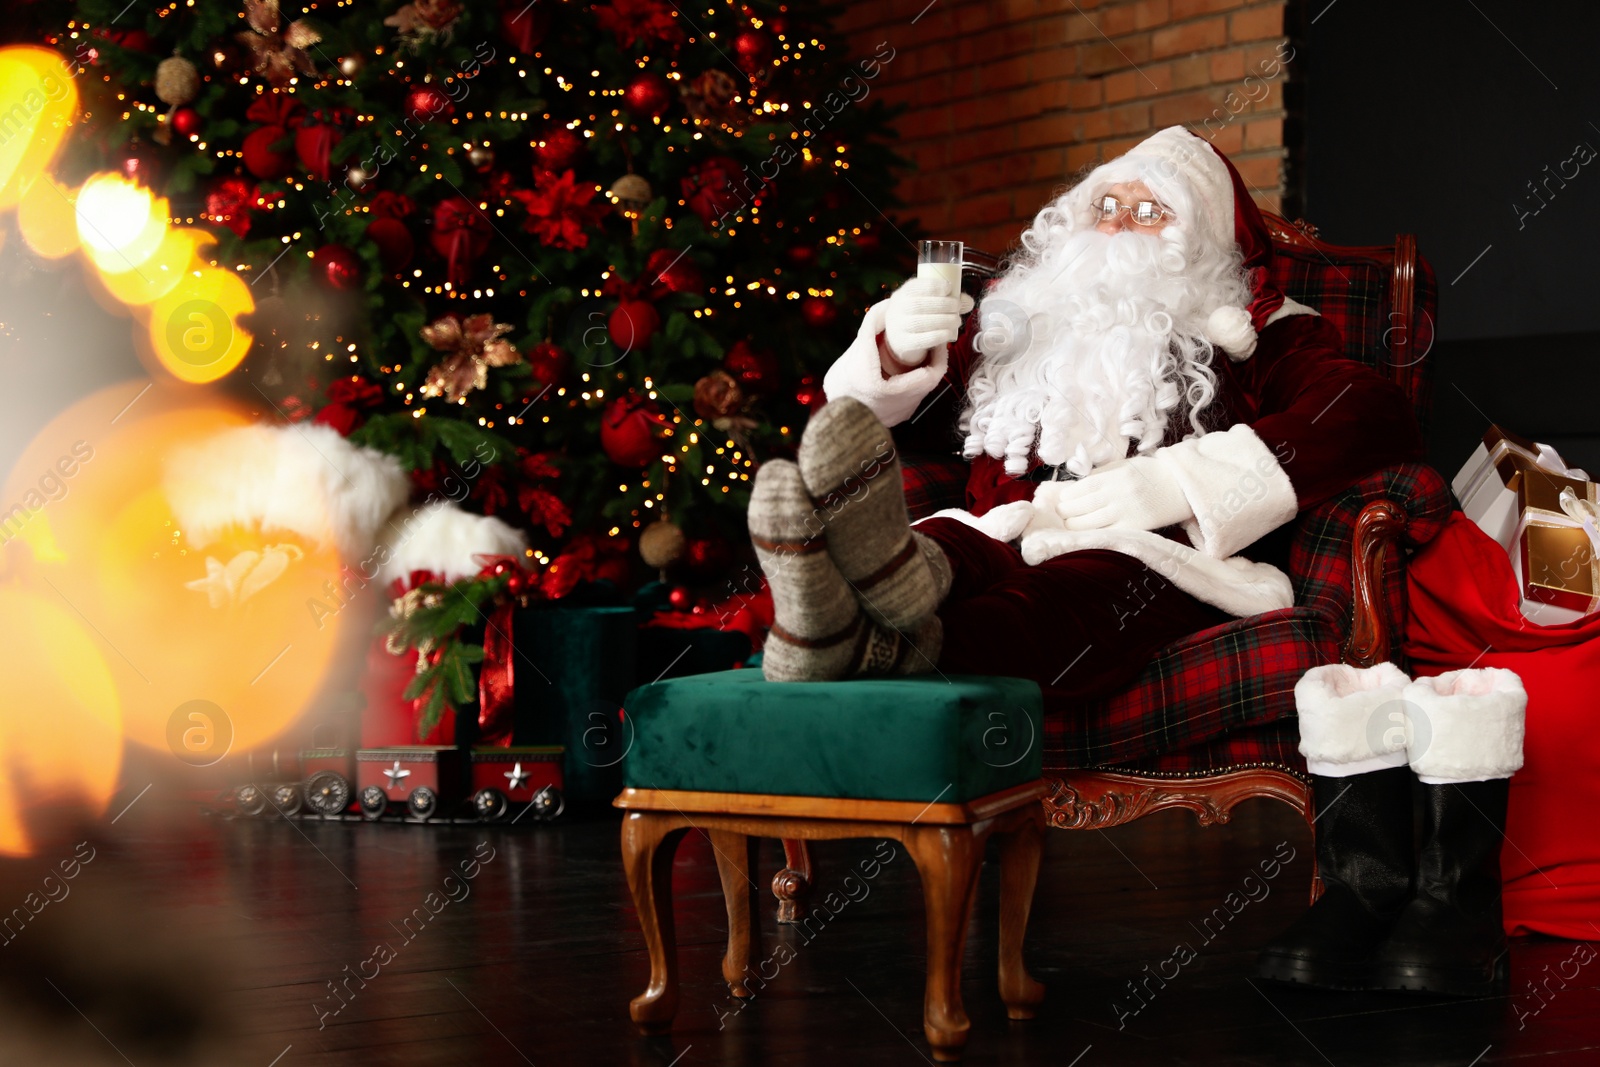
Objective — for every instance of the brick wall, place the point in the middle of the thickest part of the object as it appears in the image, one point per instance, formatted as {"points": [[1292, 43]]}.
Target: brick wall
{"points": [[1006, 100]]}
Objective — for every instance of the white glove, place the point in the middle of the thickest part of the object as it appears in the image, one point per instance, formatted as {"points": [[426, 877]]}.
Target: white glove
{"points": [[1140, 493], [923, 314]]}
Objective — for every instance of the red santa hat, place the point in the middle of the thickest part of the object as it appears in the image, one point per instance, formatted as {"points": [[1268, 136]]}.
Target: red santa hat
{"points": [[1225, 214]]}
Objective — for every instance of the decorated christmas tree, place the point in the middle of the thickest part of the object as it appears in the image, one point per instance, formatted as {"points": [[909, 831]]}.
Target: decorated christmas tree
{"points": [[578, 265]]}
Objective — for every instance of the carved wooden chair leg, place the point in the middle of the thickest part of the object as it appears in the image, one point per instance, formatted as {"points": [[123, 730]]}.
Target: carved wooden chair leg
{"points": [[735, 857], [1020, 849], [792, 885], [948, 859], [649, 840]]}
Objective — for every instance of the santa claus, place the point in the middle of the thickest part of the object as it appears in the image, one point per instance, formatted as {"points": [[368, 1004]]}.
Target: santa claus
{"points": [[1141, 410]]}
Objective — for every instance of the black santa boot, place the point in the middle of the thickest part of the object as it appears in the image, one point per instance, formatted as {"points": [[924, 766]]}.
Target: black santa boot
{"points": [[1352, 733], [1451, 938]]}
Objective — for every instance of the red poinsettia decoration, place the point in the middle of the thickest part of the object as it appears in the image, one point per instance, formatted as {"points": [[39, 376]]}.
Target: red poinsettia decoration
{"points": [[229, 204], [349, 399], [561, 210], [474, 346], [631, 21], [542, 506]]}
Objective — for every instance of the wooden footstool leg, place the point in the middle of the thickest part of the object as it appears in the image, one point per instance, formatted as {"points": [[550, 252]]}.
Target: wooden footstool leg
{"points": [[1020, 849], [792, 885], [733, 866], [948, 859], [649, 840]]}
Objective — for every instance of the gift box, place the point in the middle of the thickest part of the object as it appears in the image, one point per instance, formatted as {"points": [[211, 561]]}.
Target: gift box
{"points": [[1483, 485], [1554, 556]]}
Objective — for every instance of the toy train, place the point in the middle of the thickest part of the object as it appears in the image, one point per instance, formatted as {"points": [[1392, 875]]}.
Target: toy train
{"points": [[420, 782]]}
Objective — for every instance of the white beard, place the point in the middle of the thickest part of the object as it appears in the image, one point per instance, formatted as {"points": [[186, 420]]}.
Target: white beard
{"points": [[1090, 343]]}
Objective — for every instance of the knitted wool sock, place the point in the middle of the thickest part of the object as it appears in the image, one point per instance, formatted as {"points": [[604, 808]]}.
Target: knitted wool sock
{"points": [[848, 461], [819, 632]]}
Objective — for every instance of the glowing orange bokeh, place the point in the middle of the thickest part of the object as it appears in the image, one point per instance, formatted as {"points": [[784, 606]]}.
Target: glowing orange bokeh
{"points": [[40, 99]]}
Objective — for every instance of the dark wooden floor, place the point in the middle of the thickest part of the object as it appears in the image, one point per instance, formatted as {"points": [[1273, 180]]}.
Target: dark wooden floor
{"points": [[188, 939]]}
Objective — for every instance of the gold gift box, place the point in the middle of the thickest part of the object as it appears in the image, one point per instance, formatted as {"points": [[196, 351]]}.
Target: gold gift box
{"points": [[1558, 564]]}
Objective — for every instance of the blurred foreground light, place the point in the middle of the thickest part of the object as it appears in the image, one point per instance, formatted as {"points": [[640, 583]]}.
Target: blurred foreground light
{"points": [[60, 725], [245, 625], [159, 275], [193, 332], [48, 218], [119, 223], [37, 102]]}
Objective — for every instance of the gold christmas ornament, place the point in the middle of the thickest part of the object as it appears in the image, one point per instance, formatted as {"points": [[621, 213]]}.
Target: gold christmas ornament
{"points": [[661, 544], [481, 156], [352, 65], [357, 178], [177, 81], [631, 193]]}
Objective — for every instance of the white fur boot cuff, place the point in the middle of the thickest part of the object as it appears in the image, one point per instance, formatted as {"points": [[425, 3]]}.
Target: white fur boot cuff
{"points": [[1351, 719], [1466, 726]]}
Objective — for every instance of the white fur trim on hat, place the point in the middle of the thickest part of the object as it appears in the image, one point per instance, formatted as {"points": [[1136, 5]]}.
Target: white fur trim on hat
{"points": [[1229, 329], [1467, 726], [302, 479], [448, 541], [1352, 719]]}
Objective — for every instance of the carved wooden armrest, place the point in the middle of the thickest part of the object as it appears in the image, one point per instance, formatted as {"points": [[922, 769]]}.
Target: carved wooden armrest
{"points": [[1378, 531]]}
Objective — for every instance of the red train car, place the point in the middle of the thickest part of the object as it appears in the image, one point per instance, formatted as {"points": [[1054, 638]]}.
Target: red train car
{"points": [[424, 778], [528, 776]]}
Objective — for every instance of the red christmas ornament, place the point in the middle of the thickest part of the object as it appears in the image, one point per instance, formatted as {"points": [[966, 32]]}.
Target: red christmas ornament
{"points": [[524, 25], [672, 269], [185, 122], [648, 94], [809, 393], [819, 312], [315, 141], [680, 597], [548, 362], [754, 49], [426, 102], [262, 158], [517, 584], [561, 150], [395, 244], [629, 426], [868, 242], [338, 267], [755, 371], [632, 324], [802, 255]]}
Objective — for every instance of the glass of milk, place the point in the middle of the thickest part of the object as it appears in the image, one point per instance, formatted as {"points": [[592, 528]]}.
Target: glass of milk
{"points": [[941, 259]]}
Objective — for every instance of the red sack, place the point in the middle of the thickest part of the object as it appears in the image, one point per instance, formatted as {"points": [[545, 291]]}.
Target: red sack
{"points": [[1463, 612]]}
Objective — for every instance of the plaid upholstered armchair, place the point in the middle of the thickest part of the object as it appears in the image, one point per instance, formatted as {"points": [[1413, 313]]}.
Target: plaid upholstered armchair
{"points": [[1211, 721]]}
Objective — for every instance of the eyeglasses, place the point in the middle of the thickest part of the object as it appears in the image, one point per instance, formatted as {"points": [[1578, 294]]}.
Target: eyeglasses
{"points": [[1144, 213]]}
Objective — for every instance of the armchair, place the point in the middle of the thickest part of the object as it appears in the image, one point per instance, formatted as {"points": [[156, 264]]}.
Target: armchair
{"points": [[1211, 720]]}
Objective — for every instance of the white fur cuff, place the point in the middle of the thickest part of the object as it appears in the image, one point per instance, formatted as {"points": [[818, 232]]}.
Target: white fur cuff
{"points": [[859, 373], [447, 541], [1234, 485], [1352, 719], [1466, 726]]}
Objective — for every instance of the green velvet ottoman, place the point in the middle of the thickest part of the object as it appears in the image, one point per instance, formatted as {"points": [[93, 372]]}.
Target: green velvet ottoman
{"points": [[935, 763]]}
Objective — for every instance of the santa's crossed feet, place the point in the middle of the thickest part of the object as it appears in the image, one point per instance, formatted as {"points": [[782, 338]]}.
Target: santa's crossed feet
{"points": [[1139, 408]]}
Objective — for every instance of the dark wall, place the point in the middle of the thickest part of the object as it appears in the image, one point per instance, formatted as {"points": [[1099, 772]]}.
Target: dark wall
{"points": [[1434, 118]]}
